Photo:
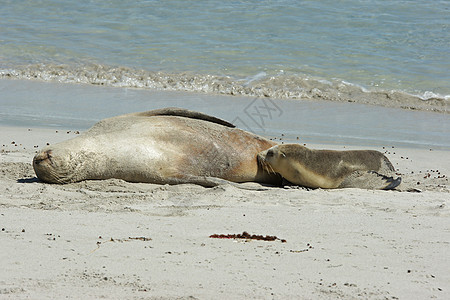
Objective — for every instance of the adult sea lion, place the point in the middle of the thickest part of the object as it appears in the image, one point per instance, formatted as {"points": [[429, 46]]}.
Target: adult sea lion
{"points": [[165, 146], [330, 169]]}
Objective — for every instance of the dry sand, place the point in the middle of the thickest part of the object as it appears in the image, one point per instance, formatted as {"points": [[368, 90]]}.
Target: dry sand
{"points": [[113, 239]]}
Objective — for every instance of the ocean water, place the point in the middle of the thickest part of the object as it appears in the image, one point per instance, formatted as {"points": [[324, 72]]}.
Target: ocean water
{"points": [[335, 50]]}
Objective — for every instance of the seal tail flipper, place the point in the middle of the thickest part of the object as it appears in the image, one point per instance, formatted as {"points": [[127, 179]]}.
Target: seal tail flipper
{"points": [[181, 112], [370, 180], [393, 183]]}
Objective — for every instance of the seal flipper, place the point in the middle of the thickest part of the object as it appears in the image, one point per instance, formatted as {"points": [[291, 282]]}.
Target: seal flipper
{"points": [[207, 181], [181, 112], [370, 180], [393, 183]]}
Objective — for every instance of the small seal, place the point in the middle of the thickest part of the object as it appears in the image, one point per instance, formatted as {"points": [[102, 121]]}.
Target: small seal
{"points": [[164, 146], [328, 169]]}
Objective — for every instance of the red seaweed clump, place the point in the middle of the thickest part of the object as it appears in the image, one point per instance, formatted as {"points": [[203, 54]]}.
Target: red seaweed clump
{"points": [[245, 235]]}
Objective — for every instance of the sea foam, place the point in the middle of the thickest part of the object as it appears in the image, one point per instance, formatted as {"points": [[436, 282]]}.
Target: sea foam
{"points": [[280, 86]]}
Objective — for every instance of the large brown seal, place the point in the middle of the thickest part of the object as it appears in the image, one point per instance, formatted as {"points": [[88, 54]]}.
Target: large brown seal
{"points": [[330, 169], [165, 146]]}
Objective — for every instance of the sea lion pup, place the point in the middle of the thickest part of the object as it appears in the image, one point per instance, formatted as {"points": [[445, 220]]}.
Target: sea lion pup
{"points": [[164, 146], [330, 169]]}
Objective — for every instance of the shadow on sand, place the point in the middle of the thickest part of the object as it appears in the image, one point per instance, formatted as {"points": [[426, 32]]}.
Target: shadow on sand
{"points": [[28, 180]]}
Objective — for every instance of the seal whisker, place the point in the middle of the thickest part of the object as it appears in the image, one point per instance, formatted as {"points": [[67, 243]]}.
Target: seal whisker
{"points": [[266, 166]]}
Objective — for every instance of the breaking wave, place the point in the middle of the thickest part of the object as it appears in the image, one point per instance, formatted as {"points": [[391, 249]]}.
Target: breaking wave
{"points": [[280, 86]]}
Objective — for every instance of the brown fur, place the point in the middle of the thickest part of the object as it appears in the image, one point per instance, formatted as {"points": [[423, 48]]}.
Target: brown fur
{"points": [[327, 168]]}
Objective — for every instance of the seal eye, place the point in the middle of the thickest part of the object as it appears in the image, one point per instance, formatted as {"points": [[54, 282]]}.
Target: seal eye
{"points": [[269, 153]]}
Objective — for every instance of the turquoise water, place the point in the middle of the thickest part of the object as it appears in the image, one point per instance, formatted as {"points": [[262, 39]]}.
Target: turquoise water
{"points": [[281, 49]]}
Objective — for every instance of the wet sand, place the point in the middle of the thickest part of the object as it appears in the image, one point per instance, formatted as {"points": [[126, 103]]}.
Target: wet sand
{"points": [[79, 106]]}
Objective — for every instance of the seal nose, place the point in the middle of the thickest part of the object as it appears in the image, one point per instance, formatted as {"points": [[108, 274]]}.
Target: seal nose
{"points": [[43, 156]]}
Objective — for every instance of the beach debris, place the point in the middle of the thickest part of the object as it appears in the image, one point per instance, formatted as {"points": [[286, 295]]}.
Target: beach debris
{"points": [[246, 236], [52, 237], [414, 190], [138, 238], [308, 246]]}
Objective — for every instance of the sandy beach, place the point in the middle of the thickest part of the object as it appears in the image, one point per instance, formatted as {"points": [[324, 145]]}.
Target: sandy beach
{"points": [[350, 75], [112, 239]]}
